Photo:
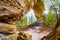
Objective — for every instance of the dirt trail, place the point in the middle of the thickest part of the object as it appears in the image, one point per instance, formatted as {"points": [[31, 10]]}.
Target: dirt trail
{"points": [[36, 34]]}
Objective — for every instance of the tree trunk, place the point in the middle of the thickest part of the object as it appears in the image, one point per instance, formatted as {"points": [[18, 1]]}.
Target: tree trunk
{"points": [[55, 34]]}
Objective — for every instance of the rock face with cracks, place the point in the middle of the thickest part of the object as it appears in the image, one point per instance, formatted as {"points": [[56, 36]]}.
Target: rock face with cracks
{"points": [[11, 11]]}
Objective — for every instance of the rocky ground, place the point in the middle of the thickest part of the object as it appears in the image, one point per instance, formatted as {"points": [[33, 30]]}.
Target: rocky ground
{"points": [[31, 33], [38, 32]]}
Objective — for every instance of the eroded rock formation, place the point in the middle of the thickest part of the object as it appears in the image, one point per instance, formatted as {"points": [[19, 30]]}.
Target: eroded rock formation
{"points": [[11, 11]]}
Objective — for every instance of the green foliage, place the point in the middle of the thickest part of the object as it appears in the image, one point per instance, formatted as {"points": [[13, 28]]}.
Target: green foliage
{"points": [[31, 19], [53, 0], [58, 15], [22, 23], [55, 7], [50, 19]]}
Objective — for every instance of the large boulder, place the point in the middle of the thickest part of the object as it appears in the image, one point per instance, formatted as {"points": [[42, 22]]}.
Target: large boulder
{"points": [[24, 36], [16, 36]]}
